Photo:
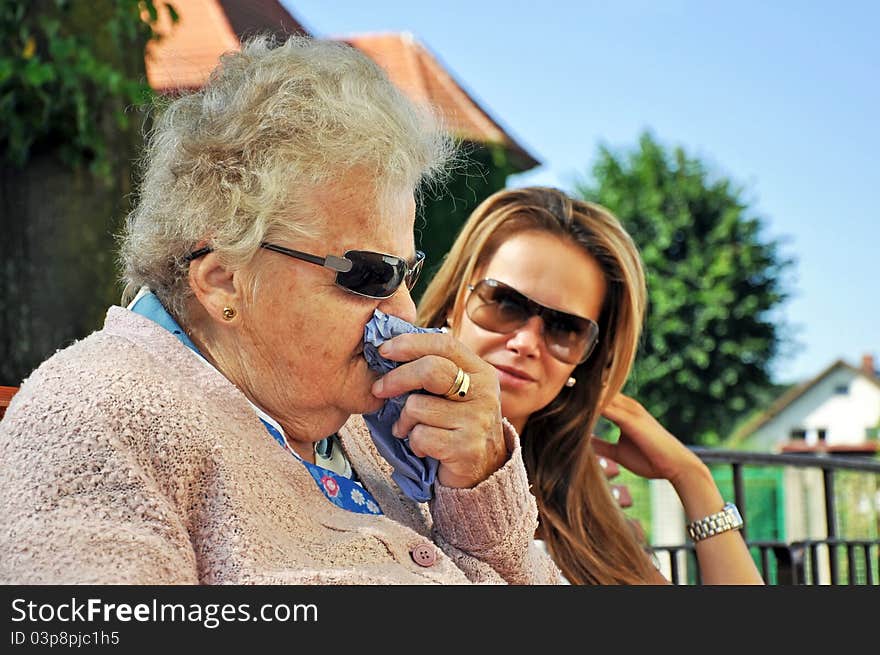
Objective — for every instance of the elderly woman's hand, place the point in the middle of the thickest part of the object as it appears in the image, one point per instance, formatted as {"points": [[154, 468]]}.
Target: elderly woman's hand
{"points": [[463, 434]]}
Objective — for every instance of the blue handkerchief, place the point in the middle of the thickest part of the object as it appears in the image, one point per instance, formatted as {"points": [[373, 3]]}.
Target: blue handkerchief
{"points": [[414, 475]]}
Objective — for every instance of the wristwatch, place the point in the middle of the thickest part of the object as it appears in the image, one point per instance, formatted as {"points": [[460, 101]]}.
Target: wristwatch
{"points": [[728, 518]]}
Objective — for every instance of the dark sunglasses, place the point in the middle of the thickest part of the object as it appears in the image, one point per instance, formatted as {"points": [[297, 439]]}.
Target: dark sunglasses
{"points": [[361, 272], [500, 308]]}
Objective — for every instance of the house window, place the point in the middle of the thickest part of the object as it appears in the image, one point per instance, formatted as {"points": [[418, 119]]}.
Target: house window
{"points": [[821, 433], [841, 389], [798, 434]]}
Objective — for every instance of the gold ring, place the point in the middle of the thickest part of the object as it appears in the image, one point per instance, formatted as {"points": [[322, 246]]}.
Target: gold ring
{"points": [[465, 385], [456, 383], [460, 385]]}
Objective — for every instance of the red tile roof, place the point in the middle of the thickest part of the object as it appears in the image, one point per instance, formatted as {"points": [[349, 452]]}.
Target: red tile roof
{"points": [[187, 52], [250, 16], [419, 74], [867, 448]]}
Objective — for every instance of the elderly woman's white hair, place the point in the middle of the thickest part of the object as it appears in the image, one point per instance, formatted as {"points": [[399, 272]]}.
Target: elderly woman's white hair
{"points": [[230, 164]]}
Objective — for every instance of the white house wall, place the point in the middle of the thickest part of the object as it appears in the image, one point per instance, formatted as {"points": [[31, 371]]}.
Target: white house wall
{"points": [[667, 524], [845, 417], [805, 512]]}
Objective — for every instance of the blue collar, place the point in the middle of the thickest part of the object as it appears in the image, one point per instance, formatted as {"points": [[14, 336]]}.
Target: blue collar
{"points": [[148, 305]]}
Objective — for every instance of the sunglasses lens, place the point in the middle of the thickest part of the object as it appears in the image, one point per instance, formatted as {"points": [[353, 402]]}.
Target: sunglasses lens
{"points": [[570, 338], [372, 274], [412, 274], [496, 307]]}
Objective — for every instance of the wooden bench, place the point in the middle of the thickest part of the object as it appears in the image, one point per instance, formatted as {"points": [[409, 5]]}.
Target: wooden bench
{"points": [[6, 394]]}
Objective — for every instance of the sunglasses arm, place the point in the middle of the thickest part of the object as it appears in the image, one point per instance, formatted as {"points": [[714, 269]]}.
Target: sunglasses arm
{"points": [[339, 264], [334, 263]]}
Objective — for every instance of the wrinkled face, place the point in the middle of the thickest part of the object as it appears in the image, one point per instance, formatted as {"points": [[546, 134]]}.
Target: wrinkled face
{"points": [[305, 333], [556, 274]]}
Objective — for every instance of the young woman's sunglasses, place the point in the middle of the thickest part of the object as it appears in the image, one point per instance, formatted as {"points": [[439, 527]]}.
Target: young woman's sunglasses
{"points": [[497, 307], [362, 272]]}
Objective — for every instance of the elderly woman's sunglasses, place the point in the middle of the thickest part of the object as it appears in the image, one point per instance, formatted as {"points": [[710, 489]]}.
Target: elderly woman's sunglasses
{"points": [[497, 307], [362, 272]]}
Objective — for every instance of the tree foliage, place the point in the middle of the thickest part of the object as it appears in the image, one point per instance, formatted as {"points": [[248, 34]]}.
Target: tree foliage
{"points": [[61, 63], [69, 73], [714, 282]]}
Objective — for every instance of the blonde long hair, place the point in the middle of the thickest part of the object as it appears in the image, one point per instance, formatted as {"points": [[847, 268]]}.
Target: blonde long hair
{"points": [[586, 532]]}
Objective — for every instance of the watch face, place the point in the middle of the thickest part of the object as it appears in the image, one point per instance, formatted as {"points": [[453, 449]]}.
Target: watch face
{"points": [[733, 511]]}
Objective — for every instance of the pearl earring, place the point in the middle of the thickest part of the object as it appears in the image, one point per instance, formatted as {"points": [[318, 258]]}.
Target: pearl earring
{"points": [[570, 382]]}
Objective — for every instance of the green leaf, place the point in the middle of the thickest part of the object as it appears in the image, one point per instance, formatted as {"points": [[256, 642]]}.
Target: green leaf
{"points": [[36, 73]]}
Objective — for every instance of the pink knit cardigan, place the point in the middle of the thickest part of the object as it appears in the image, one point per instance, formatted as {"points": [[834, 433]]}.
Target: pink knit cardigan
{"points": [[126, 460]]}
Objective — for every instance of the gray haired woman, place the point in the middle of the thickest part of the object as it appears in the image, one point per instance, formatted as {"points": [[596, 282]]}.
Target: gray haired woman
{"points": [[211, 432]]}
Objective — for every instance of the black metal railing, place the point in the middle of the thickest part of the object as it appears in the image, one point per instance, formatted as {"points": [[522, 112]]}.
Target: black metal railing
{"points": [[801, 562]]}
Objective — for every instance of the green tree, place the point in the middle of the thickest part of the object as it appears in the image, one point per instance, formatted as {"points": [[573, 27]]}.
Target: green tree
{"points": [[714, 282], [70, 72]]}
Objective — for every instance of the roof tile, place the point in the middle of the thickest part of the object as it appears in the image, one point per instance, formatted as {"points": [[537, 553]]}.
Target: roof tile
{"points": [[187, 53]]}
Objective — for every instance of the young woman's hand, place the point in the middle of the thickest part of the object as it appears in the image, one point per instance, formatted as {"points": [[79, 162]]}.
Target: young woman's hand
{"points": [[645, 447]]}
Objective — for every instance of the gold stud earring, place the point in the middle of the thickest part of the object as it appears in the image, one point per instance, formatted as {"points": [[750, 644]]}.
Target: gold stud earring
{"points": [[570, 382], [228, 313]]}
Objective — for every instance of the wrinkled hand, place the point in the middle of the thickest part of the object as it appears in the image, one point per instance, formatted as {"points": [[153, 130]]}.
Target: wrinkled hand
{"points": [[645, 447], [463, 434]]}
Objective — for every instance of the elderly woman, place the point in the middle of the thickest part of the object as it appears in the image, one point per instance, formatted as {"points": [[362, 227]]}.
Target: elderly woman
{"points": [[211, 431]]}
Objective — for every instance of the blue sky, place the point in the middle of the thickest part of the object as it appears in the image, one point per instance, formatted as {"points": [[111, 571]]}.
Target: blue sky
{"points": [[781, 97]]}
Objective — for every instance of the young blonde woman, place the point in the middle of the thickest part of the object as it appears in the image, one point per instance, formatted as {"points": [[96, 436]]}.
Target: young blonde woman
{"points": [[550, 290]]}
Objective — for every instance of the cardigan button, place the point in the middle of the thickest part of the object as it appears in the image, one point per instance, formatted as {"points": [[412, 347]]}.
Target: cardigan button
{"points": [[424, 554]]}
